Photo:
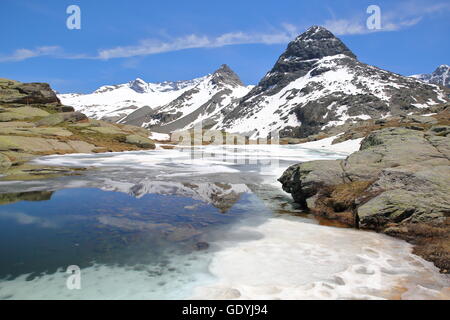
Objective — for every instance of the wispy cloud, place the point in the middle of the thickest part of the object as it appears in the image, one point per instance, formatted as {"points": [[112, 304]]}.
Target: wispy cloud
{"points": [[23, 54], [154, 46]]}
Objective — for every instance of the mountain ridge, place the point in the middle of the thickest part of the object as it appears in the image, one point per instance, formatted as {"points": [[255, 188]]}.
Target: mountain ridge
{"points": [[317, 82]]}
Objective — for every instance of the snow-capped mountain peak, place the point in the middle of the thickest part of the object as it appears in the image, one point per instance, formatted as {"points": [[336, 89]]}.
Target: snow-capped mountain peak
{"points": [[318, 82], [139, 85], [203, 102], [300, 55], [441, 76]]}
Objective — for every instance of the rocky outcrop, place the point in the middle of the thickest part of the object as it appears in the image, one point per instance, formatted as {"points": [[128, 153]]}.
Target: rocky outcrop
{"points": [[33, 122], [15, 92], [398, 183]]}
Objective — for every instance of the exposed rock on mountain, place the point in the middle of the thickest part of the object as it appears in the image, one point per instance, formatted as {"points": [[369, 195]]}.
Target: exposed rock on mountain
{"points": [[205, 101], [317, 83], [441, 76], [398, 183]]}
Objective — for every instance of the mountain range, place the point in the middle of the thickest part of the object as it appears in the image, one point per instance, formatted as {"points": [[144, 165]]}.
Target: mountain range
{"points": [[317, 83]]}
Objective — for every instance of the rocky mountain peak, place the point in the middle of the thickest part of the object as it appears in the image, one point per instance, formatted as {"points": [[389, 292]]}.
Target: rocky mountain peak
{"points": [[224, 75], [301, 54], [315, 33], [442, 69], [315, 43], [139, 85], [441, 76]]}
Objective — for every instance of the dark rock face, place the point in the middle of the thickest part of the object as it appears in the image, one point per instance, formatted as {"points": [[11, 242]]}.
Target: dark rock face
{"points": [[138, 117], [300, 56], [224, 75], [398, 183]]}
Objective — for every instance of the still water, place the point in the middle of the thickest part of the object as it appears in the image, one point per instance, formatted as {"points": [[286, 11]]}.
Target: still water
{"points": [[209, 222]]}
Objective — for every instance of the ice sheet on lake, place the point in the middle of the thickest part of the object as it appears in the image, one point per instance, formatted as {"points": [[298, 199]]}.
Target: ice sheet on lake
{"points": [[295, 260]]}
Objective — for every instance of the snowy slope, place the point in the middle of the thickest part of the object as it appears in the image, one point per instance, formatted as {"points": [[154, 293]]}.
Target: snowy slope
{"points": [[116, 101]]}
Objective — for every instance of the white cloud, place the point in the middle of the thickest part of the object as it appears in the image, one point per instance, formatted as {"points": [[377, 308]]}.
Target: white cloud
{"points": [[23, 54], [152, 46]]}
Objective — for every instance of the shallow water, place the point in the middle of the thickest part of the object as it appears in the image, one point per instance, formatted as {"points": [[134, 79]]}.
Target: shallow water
{"points": [[209, 222]]}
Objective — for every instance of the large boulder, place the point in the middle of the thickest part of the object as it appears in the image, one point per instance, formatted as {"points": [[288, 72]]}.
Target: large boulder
{"points": [[304, 180], [26, 93]]}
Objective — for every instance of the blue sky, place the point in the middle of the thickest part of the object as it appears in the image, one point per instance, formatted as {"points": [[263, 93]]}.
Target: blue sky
{"points": [[178, 40]]}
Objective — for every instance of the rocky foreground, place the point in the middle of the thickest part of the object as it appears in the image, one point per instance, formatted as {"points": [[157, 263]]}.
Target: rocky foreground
{"points": [[33, 122], [398, 183]]}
